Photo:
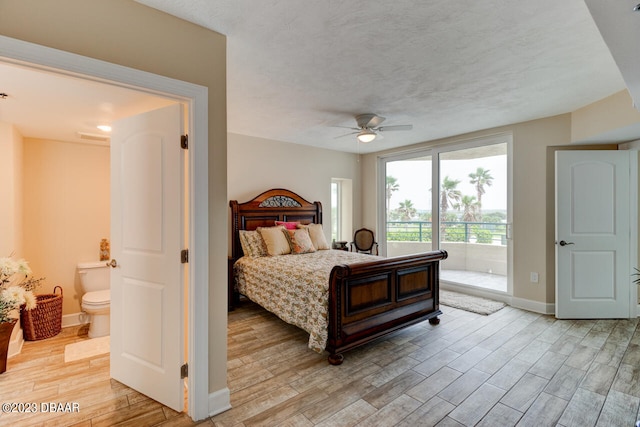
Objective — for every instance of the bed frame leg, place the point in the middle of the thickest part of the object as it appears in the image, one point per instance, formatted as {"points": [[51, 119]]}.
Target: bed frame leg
{"points": [[336, 359], [434, 321]]}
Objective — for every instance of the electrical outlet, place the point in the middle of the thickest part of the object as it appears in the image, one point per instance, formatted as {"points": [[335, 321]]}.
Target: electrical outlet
{"points": [[534, 277]]}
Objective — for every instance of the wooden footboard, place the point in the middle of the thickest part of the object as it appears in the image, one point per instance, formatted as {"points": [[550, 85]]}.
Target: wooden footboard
{"points": [[371, 299]]}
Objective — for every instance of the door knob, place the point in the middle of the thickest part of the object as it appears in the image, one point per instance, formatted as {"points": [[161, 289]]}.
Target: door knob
{"points": [[563, 243], [113, 263]]}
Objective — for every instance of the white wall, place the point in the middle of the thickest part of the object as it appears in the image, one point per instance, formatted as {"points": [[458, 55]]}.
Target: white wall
{"points": [[255, 165]]}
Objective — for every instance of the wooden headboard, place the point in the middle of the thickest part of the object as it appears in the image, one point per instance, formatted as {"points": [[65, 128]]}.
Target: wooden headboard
{"points": [[262, 211]]}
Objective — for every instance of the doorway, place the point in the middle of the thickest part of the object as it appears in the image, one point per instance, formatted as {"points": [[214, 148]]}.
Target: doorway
{"points": [[195, 97]]}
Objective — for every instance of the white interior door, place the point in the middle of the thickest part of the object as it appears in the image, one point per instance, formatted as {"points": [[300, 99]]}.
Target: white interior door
{"points": [[147, 333], [593, 234]]}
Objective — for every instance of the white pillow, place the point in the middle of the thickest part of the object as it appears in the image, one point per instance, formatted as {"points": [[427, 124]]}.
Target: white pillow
{"points": [[317, 236], [276, 241]]}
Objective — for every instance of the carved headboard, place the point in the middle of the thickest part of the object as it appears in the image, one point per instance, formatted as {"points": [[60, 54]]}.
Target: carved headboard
{"points": [[273, 205]]}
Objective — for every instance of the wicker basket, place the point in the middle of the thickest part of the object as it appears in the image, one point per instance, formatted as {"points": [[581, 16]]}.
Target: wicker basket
{"points": [[44, 321]]}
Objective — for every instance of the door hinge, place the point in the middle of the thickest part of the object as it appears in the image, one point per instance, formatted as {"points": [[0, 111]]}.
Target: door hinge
{"points": [[184, 256], [184, 141], [184, 371]]}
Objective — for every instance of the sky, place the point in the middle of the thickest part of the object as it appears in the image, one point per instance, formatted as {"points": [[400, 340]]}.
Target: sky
{"points": [[414, 180]]}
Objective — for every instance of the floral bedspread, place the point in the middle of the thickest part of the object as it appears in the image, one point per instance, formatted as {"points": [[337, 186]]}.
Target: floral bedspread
{"points": [[294, 287]]}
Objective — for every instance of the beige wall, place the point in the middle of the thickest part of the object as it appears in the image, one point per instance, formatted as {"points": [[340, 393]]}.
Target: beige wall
{"points": [[532, 228], [256, 165], [130, 34], [66, 212], [11, 194], [611, 113]]}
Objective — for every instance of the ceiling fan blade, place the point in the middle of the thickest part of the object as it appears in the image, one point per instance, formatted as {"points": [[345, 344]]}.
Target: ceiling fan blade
{"points": [[346, 134], [394, 127], [368, 120]]}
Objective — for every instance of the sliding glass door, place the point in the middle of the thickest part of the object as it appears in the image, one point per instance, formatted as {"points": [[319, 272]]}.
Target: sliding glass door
{"points": [[474, 216], [465, 213], [408, 205]]}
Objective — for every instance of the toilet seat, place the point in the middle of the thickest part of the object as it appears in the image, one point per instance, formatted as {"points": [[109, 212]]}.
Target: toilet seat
{"points": [[97, 298]]}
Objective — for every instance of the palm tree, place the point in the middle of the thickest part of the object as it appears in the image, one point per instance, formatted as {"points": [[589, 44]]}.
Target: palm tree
{"points": [[407, 210], [470, 208], [480, 178], [449, 197], [392, 186]]}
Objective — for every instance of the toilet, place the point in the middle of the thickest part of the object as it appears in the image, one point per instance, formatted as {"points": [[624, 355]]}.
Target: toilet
{"points": [[96, 301]]}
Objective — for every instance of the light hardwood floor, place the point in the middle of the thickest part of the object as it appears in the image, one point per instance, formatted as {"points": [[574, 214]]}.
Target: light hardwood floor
{"points": [[510, 368], [39, 375]]}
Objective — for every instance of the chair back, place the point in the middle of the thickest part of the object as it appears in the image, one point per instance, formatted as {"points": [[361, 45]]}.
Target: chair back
{"points": [[364, 241]]}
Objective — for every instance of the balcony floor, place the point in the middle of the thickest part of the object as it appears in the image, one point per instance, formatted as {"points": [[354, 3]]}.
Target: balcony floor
{"points": [[477, 279]]}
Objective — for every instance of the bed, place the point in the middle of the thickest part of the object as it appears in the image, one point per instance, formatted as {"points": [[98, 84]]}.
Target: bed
{"points": [[356, 298]]}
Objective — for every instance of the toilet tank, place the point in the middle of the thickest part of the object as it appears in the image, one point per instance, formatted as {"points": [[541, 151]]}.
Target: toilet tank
{"points": [[94, 276]]}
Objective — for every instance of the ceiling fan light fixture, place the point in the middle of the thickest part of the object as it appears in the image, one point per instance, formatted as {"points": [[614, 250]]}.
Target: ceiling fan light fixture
{"points": [[366, 135]]}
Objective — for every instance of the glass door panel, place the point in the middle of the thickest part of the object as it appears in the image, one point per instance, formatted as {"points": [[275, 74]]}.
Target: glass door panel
{"points": [[408, 198], [473, 212]]}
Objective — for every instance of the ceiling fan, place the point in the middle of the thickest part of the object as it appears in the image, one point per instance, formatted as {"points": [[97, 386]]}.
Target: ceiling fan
{"points": [[369, 127]]}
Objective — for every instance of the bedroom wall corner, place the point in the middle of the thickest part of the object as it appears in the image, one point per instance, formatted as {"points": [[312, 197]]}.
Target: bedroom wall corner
{"points": [[258, 164], [598, 120]]}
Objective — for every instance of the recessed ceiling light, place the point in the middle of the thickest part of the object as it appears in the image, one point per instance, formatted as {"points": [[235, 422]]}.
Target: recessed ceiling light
{"points": [[104, 128]]}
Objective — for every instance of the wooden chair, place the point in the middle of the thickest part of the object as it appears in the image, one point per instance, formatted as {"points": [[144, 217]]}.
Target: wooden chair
{"points": [[364, 241]]}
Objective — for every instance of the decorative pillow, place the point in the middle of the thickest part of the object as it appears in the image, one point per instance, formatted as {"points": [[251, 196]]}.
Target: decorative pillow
{"points": [[300, 241], [290, 225], [276, 241], [317, 236], [252, 243]]}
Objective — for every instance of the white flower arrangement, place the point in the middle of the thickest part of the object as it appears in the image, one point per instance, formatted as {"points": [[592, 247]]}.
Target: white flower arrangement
{"points": [[16, 288]]}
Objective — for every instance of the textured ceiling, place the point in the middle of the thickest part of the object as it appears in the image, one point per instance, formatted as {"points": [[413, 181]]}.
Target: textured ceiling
{"points": [[297, 70]]}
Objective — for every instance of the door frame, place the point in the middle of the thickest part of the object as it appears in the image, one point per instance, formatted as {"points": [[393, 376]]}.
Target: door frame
{"points": [[196, 99]]}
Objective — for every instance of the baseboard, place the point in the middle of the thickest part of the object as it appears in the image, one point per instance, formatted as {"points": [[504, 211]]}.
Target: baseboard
{"points": [[525, 304], [535, 306], [219, 401], [74, 319], [476, 291]]}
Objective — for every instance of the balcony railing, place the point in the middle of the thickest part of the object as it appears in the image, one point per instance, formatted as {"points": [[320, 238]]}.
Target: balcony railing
{"points": [[450, 231]]}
